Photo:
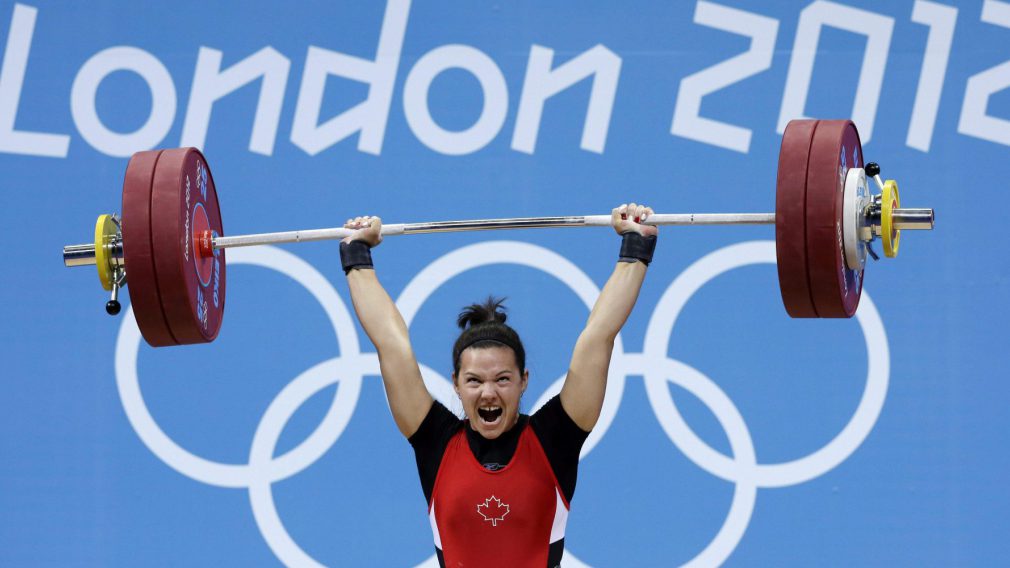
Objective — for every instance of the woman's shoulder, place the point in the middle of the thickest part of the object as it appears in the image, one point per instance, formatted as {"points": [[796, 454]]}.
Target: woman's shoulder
{"points": [[439, 423]]}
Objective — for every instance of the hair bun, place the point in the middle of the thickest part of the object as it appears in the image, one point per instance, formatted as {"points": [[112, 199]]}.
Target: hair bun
{"points": [[490, 311]]}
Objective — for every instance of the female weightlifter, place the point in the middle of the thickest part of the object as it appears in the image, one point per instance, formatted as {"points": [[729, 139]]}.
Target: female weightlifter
{"points": [[498, 483]]}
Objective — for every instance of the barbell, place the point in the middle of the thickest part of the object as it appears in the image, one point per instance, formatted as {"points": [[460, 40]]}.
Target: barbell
{"points": [[171, 241]]}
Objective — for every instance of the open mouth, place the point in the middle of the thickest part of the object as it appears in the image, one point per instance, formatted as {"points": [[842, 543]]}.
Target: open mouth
{"points": [[489, 414]]}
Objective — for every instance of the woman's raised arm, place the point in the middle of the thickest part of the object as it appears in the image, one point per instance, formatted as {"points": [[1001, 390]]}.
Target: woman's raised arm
{"points": [[408, 398], [586, 383]]}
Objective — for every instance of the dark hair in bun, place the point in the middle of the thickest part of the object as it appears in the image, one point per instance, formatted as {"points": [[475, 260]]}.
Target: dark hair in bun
{"points": [[484, 326], [476, 314]]}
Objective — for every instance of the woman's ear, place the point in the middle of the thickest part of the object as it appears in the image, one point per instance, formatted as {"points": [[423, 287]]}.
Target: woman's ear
{"points": [[455, 386]]}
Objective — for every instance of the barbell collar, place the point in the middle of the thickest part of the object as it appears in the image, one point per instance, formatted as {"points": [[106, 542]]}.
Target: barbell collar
{"points": [[84, 255], [79, 255], [915, 219]]}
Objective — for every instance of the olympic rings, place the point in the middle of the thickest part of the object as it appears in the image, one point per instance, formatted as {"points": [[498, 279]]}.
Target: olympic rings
{"points": [[773, 475], [348, 369], [295, 460]]}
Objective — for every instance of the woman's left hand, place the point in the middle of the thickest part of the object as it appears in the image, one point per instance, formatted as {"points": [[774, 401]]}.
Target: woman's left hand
{"points": [[629, 217]]}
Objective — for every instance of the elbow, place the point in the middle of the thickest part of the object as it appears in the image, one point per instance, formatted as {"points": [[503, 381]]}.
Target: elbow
{"points": [[392, 341], [599, 338], [391, 336]]}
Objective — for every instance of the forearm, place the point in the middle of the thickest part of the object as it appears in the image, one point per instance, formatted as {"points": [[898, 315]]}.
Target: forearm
{"points": [[616, 301], [376, 311]]}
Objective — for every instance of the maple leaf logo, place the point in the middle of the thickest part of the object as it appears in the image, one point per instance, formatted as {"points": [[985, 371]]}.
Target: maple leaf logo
{"points": [[493, 512]]}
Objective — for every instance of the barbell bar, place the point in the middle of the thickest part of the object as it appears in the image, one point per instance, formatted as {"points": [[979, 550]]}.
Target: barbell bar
{"points": [[171, 239], [87, 254]]}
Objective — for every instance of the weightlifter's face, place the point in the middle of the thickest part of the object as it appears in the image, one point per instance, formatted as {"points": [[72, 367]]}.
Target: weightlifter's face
{"points": [[490, 385]]}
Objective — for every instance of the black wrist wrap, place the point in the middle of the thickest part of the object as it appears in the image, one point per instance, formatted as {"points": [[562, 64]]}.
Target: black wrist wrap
{"points": [[355, 254], [636, 247]]}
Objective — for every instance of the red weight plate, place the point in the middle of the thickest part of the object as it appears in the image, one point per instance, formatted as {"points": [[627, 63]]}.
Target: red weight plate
{"points": [[791, 218], [140, 271], [192, 286], [835, 288]]}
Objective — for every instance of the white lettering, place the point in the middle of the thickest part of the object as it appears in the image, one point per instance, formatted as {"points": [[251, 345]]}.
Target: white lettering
{"points": [[368, 117], [211, 84], [875, 27], [687, 121], [493, 88], [974, 120], [85, 87], [12, 77], [940, 18], [185, 248], [541, 83], [217, 279]]}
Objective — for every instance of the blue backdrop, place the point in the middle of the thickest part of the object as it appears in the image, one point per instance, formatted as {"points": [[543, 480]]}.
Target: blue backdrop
{"points": [[731, 433]]}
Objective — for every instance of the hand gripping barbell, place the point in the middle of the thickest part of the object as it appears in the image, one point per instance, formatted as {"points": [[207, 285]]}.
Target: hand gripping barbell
{"points": [[170, 237]]}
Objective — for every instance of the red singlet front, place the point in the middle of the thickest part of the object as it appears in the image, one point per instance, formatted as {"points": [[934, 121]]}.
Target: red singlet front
{"points": [[507, 517]]}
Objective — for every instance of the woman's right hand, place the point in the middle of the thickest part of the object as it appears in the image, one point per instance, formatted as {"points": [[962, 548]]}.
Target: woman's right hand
{"points": [[367, 229]]}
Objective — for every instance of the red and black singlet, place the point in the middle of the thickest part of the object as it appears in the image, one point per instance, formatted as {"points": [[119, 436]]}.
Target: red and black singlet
{"points": [[500, 502]]}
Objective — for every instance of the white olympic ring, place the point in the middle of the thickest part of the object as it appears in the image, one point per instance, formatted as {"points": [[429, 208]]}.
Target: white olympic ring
{"points": [[295, 460], [263, 469], [775, 475]]}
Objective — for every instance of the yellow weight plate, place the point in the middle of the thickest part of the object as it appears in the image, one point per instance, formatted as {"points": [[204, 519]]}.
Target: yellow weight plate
{"points": [[105, 230], [889, 201]]}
